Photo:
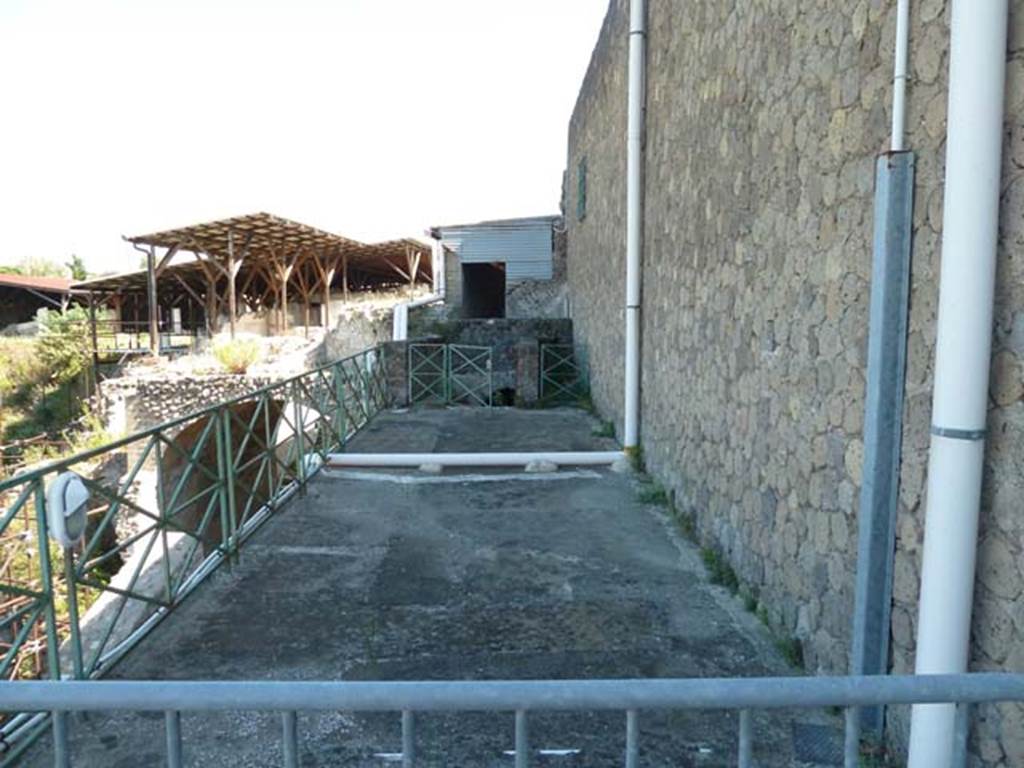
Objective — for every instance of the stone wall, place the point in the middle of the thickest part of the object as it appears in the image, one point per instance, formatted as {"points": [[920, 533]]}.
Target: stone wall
{"points": [[135, 403], [764, 120], [356, 328]]}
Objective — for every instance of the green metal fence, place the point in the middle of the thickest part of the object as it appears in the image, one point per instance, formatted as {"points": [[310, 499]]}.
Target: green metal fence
{"points": [[563, 374], [451, 373], [166, 506]]}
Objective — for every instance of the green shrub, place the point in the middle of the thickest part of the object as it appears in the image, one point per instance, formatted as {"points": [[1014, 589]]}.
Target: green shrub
{"points": [[607, 429], [236, 355]]}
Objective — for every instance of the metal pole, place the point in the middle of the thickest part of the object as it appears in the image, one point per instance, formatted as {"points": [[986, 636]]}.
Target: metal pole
{"points": [[746, 748], [899, 75], [961, 732], [76, 636], [290, 739], [883, 420], [851, 741], [172, 721], [632, 739], [408, 739], [522, 759], [61, 751]]}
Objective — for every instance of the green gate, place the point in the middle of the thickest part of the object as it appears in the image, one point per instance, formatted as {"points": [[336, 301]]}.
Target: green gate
{"points": [[563, 376], [450, 373], [428, 373]]}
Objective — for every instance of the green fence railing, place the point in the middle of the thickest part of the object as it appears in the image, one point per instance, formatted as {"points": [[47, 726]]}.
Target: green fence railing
{"points": [[166, 506]]}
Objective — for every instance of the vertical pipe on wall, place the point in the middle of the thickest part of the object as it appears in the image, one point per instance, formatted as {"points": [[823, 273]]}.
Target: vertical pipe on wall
{"points": [[977, 73], [899, 76], [634, 218]]}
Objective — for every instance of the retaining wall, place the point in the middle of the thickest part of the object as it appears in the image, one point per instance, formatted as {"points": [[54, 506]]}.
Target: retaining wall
{"points": [[764, 120]]}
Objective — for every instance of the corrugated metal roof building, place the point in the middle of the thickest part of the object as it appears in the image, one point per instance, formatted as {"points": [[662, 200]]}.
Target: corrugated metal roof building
{"points": [[492, 258]]}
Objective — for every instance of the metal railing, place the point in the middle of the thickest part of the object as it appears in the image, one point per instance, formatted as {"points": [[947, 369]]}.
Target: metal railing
{"points": [[126, 337], [166, 506], [519, 698]]}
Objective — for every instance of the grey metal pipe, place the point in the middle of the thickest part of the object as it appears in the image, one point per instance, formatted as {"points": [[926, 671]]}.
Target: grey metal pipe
{"points": [[522, 759], [290, 739], [746, 746], [552, 695], [172, 723], [632, 739], [408, 739], [851, 738], [61, 751]]}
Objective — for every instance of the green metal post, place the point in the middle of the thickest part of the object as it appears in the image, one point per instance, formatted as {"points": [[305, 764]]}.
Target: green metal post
{"points": [[226, 476], [76, 635], [45, 573], [300, 438], [339, 396], [161, 504]]}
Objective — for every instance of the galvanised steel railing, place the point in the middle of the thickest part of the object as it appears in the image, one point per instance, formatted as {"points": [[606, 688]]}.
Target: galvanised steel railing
{"points": [[631, 697], [167, 505]]}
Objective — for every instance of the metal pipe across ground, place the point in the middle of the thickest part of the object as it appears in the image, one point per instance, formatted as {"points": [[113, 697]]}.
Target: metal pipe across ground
{"points": [[561, 458], [551, 695]]}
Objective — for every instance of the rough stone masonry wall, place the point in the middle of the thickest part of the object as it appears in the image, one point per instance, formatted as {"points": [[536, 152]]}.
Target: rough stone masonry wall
{"points": [[135, 403], [764, 119]]}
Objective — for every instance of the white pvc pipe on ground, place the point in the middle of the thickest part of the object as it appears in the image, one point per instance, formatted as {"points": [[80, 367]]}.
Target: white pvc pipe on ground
{"points": [[561, 458], [634, 219], [977, 73], [899, 76]]}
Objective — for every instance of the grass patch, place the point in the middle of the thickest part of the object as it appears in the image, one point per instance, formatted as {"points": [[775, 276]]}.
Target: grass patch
{"points": [[636, 459], [792, 651], [653, 493], [607, 429], [719, 570]]}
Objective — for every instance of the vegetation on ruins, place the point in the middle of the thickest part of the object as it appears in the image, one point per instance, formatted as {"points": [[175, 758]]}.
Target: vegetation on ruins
{"points": [[236, 355]]}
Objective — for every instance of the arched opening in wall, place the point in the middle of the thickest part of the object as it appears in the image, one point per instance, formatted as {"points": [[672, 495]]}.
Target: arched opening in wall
{"points": [[483, 290]]}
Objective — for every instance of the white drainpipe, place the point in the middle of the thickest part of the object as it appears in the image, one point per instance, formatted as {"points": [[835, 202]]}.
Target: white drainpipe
{"points": [[400, 314], [899, 77], [634, 218], [977, 72]]}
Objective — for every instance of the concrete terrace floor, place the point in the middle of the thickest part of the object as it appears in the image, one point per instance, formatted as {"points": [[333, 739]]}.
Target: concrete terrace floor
{"points": [[445, 577]]}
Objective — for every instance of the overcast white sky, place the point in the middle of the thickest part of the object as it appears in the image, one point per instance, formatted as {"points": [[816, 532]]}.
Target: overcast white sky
{"points": [[369, 118]]}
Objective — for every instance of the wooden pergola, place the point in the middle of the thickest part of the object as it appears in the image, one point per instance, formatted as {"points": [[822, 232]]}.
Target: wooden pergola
{"points": [[256, 261]]}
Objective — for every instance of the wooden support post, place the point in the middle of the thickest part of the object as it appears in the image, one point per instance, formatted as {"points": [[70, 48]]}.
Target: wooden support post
{"points": [[154, 309], [232, 300], [344, 276], [93, 335]]}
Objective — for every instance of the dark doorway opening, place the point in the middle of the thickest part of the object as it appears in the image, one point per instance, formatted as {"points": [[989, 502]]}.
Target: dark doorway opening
{"points": [[483, 290]]}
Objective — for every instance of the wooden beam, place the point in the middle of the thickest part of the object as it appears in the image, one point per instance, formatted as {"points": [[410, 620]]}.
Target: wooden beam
{"points": [[187, 287], [166, 260]]}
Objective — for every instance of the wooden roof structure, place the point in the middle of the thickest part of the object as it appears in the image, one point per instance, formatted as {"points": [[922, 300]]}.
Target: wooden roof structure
{"points": [[257, 260]]}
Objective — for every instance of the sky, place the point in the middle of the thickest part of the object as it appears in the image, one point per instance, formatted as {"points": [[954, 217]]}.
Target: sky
{"points": [[372, 119]]}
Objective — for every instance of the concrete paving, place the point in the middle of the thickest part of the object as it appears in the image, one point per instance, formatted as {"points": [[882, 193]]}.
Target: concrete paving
{"points": [[411, 576]]}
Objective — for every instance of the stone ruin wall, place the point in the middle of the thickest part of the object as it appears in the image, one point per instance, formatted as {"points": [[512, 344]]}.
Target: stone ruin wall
{"points": [[764, 120]]}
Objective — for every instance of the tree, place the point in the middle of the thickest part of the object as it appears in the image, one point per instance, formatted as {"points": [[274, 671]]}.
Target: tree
{"points": [[63, 345], [77, 267]]}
